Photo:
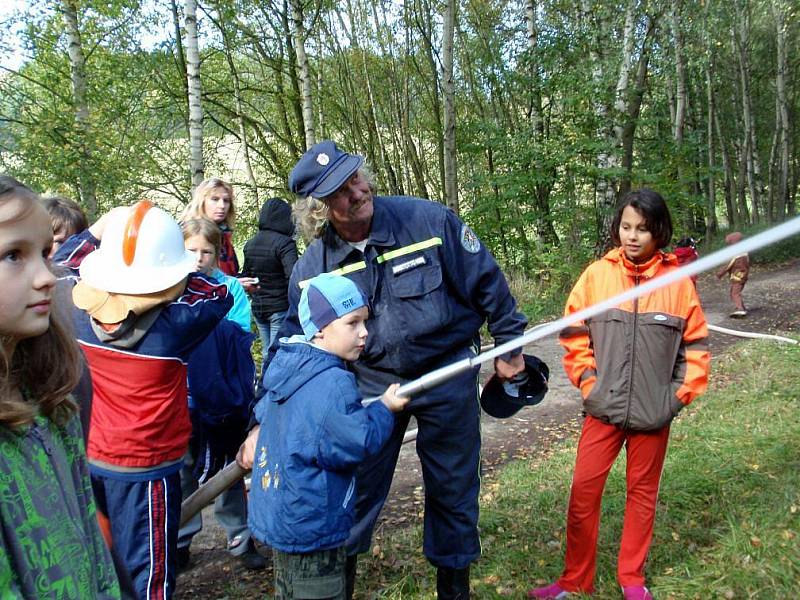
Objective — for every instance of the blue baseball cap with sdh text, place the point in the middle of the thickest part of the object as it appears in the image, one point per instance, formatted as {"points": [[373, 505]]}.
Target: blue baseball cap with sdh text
{"points": [[322, 170], [325, 298]]}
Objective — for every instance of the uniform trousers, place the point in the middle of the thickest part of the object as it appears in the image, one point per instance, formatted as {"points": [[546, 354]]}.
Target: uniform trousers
{"points": [[598, 448], [448, 445]]}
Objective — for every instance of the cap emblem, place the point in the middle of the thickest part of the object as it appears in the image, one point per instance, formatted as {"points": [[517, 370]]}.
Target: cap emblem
{"points": [[323, 159]]}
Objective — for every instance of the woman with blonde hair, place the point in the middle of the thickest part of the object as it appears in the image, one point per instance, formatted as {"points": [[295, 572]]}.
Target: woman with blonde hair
{"points": [[213, 200]]}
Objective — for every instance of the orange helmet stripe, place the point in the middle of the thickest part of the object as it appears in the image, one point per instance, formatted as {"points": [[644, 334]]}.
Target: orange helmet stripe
{"points": [[131, 234]]}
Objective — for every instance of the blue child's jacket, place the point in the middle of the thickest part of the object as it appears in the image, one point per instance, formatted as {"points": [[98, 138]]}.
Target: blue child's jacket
{"points": [[314, 432]]}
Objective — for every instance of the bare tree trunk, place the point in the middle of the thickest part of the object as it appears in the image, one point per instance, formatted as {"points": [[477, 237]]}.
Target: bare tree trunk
{"points": [[543, 189], [679, 124], [727, 168], [448, 89], [744, 213], [783, 111], [77, 63], [304, 72], [633, 108], [196, 163], [609, 131], [711, 204], [771, 166], [749, 146]]}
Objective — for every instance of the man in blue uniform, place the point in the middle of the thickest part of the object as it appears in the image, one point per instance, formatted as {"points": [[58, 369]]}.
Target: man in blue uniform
{"points": [[431, 284]]}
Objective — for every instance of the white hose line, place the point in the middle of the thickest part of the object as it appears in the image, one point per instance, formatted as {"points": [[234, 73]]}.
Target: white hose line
{"points": [[722, 256], [750, 334]]}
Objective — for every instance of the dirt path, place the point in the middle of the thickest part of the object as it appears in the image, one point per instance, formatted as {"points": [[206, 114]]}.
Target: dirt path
{"points": [[773, 299]]}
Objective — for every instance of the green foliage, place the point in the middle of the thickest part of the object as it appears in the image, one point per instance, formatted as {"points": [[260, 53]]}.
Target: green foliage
{"points": [[537, 112]]}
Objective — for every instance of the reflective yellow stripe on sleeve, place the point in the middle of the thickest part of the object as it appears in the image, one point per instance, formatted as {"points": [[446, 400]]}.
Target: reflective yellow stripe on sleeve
{"points": [[434, 241], [351, 268]]}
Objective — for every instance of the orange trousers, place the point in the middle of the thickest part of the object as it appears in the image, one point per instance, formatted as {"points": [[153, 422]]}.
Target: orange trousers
{"points": [[598, 448]]}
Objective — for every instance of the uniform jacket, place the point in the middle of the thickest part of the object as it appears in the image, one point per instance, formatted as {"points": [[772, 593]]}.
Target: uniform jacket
{"points": [[271, 256], [738, 269], [50, 543], [430, 282], [314, 433], [639, 364], [140, 416]]}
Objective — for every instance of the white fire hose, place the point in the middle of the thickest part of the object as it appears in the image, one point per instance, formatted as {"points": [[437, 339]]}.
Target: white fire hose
{"points": [[233, 472]]}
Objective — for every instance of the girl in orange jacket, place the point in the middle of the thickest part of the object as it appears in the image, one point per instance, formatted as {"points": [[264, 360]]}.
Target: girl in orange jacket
{"points": [[637, 366]]}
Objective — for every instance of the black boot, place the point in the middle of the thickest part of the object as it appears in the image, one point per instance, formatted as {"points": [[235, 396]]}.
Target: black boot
{"points": [[452, 584], [350, 576]]}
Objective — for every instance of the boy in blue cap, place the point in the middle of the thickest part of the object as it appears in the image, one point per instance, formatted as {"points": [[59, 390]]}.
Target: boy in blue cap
{"points": [[314, 432]]}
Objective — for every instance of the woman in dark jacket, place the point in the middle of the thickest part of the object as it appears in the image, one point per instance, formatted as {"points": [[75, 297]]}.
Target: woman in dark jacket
{"points": [[270, 256]]}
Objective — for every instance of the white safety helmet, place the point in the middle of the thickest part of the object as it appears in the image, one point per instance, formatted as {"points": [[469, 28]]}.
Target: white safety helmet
{"points": [[142, 252]]}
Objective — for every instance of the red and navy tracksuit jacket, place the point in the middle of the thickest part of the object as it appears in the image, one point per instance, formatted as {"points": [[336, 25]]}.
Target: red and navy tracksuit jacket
{"points": [[140, 416]]}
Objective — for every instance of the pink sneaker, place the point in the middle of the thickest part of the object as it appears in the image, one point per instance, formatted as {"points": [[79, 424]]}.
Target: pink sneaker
{"points": [[549, 592], [636, 592]]}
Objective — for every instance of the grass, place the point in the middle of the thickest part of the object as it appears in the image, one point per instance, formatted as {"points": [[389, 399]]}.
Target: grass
{"points": [[728, 520]]}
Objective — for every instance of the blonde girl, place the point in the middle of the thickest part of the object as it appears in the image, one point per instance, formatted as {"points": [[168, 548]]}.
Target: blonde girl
{"points": [[213, 200], [51, 543]]}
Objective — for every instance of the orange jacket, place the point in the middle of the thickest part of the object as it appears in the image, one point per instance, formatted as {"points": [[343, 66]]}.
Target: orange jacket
{"points": [[639, 364]]}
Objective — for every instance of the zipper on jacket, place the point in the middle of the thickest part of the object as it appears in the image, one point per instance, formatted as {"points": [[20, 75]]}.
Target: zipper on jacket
{"points": [[633, 351], [37, 433]]}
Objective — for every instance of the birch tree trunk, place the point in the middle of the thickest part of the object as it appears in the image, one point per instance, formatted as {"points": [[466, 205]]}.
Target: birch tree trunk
{"points": [[304, 73], [448, 89], [749, 146], [727, 168], [679, 124], [544, 187], [783, 111], [681, 100], [608, 129], [196, 163], [77, 63], [711, 204]]}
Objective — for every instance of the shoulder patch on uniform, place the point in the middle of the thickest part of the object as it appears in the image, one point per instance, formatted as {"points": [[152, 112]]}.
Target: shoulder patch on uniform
{"points": [[469, 240]]}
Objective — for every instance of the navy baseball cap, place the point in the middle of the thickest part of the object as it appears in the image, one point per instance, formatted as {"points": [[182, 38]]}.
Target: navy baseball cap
{"points": [[322, 170], [326, 298]]}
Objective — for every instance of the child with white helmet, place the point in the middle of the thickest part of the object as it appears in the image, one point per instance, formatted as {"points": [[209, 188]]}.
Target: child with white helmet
{"points": [[140, 311]]}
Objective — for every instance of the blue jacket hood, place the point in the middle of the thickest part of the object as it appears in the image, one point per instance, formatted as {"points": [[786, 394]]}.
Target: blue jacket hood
{"points": [[299, 362]]}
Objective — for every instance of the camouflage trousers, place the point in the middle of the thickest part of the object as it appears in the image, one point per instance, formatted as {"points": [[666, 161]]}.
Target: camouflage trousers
{"points": [[316, 575]]}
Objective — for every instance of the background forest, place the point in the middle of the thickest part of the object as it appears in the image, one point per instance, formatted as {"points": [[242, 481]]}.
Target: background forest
{"points": [[528, 117]]}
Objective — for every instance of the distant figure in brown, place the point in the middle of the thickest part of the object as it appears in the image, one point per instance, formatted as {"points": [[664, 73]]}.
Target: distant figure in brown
{"points": [[737, 269]]}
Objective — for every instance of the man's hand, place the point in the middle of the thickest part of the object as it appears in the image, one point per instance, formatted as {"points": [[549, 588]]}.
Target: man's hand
{"points": [[507, 370], [247, 451]]}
